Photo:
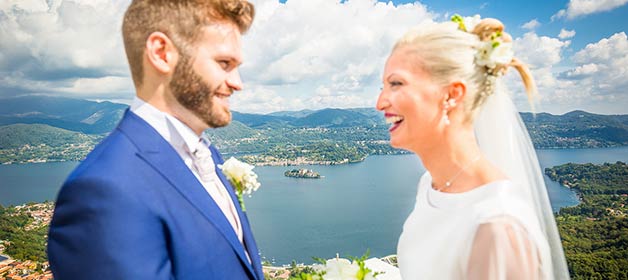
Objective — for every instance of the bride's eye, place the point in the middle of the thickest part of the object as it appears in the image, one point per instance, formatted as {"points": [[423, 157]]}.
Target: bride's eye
{"points": [[394, 83]]}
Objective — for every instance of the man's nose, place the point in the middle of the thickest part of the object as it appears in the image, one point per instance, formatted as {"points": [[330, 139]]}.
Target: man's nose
{"points": [[234, 81]]}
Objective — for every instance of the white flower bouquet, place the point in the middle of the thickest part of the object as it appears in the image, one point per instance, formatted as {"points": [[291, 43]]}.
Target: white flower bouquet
{"points": [[340, 269]]}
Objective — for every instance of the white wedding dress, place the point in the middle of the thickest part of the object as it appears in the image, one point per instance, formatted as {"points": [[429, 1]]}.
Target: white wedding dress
{"points": [[485, 233]]}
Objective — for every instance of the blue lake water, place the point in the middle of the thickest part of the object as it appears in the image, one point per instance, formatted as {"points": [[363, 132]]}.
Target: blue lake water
{"points": [[355, 207]]}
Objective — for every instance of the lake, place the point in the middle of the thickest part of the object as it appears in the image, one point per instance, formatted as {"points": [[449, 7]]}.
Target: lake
{"points": [[355, 207]]}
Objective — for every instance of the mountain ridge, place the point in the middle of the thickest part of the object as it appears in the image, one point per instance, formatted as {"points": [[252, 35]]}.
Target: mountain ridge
{"points": [[573, 129]]}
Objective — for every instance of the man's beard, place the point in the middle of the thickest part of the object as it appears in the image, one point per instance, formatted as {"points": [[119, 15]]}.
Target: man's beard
{"points": [[193, 93]]}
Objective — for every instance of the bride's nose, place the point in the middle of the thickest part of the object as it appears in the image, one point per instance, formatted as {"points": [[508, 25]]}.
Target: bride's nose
{"points": [[382, 101]]}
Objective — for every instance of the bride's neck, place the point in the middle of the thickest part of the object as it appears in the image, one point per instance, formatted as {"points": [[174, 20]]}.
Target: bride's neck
{"points": [[458, 153]]}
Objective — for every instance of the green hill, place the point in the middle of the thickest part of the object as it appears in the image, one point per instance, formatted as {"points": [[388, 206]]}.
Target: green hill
{"points": [[335, 118], [595, 232], [235, 130], [270, 135], [18, 135], [20, 143], [577, 129]]}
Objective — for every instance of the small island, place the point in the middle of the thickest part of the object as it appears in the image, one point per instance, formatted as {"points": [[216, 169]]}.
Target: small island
{"points": [[302, 173]]}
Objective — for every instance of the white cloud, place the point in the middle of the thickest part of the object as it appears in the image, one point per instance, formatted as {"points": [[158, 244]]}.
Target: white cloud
{"points": [[583, 70], [312, 44], [577, 8], [608, 50], [602, 68], [541, 54], [104, 85], [565, 34], [56, 43], [596, 81], [531, 25], [293, 59], [68, 46], [262, 99], [539, 51]]}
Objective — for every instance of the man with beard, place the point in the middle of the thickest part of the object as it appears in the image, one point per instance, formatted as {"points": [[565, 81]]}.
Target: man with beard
{"points": [[148, 201]]}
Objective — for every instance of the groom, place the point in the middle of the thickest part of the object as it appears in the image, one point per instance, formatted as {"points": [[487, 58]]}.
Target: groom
{"points": [[148, 202]]}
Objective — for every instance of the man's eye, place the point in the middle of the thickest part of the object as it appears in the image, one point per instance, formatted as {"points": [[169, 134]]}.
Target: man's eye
{"points": [[224, 64], [395, 83]]}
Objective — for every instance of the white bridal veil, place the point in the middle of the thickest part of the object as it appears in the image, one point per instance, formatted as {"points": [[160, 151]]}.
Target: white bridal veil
{"points": [[504, 140]]}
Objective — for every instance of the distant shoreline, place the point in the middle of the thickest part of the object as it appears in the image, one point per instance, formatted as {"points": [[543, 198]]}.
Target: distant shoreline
{"points": [[300, 162]]}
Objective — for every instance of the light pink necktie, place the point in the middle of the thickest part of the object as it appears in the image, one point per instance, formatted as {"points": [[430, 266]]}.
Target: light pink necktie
{"points": [[206, 169]]}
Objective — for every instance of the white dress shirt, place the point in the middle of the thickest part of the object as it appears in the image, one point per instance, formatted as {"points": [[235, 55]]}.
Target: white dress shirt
{"points": [[185, 141]]}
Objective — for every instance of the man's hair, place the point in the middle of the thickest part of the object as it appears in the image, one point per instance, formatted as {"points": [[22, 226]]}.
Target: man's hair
{"points": [[181, 20]]}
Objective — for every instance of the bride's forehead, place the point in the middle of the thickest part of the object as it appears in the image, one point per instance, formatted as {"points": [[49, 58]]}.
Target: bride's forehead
{"points": [[404, 66]]}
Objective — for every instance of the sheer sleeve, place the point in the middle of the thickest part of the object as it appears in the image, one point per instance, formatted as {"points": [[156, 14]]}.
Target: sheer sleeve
{"points": [[503, 249]]}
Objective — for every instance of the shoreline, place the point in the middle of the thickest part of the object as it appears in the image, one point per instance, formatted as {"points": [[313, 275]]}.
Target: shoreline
{"points": [[300, 162]]}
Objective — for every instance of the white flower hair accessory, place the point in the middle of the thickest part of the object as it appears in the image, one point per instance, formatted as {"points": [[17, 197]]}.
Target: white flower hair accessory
{"points": [[466, 24], [494, 52], [241, 176]]}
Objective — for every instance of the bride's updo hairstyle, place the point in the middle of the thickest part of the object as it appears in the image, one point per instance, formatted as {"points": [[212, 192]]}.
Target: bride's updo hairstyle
{"points": [[476, 52]]}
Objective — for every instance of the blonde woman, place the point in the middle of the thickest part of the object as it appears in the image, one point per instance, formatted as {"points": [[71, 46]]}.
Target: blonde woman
{"points": [[482, 210]]}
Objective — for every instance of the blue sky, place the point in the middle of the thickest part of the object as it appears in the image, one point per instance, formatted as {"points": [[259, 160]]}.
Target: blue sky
{"points": [[311, 54], [590, 27]]}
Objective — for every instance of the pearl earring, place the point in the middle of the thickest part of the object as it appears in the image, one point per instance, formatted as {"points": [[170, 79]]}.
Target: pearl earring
{"points": [[446, 105]]}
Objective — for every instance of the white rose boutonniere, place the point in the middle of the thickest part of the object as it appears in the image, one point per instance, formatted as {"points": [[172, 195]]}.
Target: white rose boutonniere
{"points": [[241, 176]]}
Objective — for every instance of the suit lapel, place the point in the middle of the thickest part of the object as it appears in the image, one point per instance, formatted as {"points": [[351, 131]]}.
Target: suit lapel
{"points": [[247, 234], [161, 156]]}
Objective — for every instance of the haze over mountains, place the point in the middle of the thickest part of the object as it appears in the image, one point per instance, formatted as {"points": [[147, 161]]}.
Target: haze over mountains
{"points": [[91, 117]]}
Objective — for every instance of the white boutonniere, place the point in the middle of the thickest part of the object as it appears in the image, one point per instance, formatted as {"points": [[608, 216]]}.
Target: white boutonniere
{"points": [[241, 176]]}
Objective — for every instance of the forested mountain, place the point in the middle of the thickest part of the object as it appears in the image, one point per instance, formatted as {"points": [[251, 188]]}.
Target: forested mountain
{"points": [[357, 131]]}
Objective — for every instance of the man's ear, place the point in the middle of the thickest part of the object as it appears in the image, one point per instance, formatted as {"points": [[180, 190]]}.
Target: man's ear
{"points": [[161, 53]]}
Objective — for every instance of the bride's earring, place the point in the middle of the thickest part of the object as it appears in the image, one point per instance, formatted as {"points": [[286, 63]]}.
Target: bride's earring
{"points": [[447, 104]]}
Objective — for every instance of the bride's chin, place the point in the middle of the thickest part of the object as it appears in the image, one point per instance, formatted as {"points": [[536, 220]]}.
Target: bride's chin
{"points": [[395, 143]]}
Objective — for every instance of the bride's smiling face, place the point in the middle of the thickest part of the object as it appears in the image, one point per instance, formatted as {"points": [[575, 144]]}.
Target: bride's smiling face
{"points": [[411, 102]]}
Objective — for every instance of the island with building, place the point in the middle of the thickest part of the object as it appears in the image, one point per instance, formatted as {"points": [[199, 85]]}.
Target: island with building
{"points": [[302, 173]]}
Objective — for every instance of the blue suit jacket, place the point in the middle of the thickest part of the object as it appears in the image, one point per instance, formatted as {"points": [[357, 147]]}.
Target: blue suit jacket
{"points": [[133, 210]]}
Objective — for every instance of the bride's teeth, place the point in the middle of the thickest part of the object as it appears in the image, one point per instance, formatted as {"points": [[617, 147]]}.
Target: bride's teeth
{"points": [[393, 119]]}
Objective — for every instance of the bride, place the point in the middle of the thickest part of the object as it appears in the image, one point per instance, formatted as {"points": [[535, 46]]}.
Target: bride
{"points": [[482, 210]]}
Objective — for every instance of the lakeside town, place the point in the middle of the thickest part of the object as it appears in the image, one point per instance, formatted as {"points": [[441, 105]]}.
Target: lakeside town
{"points": [[28, 270], [42, 153], [38, 216]]}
